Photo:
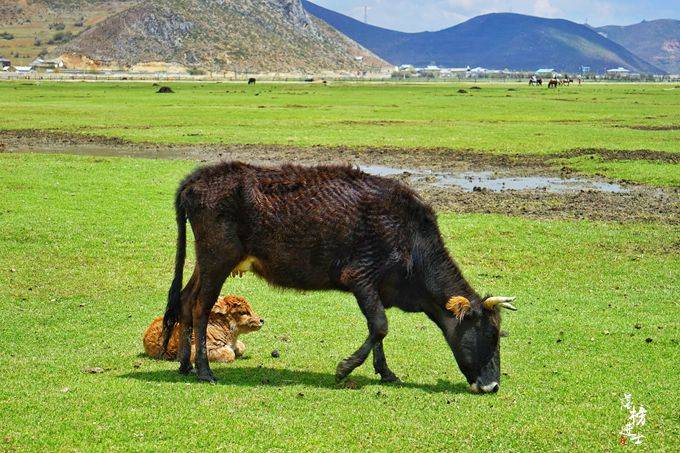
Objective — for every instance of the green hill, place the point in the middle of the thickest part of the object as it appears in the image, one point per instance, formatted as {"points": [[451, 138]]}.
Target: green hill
{"points": [[657, 41]]}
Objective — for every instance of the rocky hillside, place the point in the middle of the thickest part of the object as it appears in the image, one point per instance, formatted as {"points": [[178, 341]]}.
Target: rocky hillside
{"points": [[228, 35], [499, 41], [37, 27], [657, 41]]}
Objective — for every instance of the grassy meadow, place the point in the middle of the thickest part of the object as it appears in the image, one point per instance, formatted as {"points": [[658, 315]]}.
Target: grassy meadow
{"points": [[497, 118], [86, 257], [502, 118], [86, 250]]}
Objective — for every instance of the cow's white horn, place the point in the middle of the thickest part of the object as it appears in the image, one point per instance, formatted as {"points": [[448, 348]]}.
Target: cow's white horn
{"points": [[508, 305], [501, 301]]}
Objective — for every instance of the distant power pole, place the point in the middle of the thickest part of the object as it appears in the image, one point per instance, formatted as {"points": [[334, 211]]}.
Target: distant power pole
{"points": [[366, 8]]}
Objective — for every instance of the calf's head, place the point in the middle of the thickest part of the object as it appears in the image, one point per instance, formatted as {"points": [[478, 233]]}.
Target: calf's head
{"points": [[237, 312], [473, 333]]}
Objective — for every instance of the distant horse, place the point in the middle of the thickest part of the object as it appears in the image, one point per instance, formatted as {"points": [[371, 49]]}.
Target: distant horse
{"points": [[552, 83], [535, 81], [252, 80]]}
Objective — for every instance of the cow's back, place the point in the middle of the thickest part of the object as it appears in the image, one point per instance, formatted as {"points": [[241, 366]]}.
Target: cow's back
{"points": [[305, 224]]}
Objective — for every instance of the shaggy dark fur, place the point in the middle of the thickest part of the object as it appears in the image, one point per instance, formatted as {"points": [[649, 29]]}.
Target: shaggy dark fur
{"points": [[325, 228]]}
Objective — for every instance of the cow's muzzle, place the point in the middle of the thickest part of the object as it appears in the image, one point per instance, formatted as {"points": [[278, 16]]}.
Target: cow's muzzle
{"points": [[492, 387]]}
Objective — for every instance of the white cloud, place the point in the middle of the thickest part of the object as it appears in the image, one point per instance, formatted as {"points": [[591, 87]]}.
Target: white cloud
{"points": [[545, 8]]}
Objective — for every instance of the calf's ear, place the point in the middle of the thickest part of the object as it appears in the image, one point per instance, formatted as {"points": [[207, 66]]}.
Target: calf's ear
{"points": [[459, 306], [220, 306]]}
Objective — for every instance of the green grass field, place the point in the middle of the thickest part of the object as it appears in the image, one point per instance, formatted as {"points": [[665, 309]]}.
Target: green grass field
{"points": [[86, 250], [506, 118], [494, 119]]}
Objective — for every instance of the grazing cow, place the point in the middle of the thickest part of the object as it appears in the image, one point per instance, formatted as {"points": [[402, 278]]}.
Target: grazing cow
{"points": [[552, 83], [252, 80], [535, 81], [328, 228]]}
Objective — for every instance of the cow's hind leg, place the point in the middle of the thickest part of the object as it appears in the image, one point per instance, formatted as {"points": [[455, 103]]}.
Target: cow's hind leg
{"points": [[372, 308], [185, 325], [380, 364], [215, 259]]}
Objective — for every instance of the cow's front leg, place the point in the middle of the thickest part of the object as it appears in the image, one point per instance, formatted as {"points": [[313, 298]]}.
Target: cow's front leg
{"points": [[239, 348], [380, 365], [372, 308]]}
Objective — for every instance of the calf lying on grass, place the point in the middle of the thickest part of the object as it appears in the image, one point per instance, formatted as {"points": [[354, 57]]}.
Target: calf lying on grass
{"points": [[230, 317]]}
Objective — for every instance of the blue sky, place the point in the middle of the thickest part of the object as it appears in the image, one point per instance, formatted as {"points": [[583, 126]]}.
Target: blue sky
{"points": [[419, 15]]}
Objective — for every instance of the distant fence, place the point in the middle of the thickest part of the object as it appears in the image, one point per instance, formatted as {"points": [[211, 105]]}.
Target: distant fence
{"points": [[242, 77]]}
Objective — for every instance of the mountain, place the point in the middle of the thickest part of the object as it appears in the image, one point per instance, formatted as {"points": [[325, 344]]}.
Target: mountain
{"points": [[499, 40], [657, 41], [241, 35], [39, 26]]}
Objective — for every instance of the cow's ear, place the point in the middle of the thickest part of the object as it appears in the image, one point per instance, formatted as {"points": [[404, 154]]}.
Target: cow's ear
{"points": [[459, 306]]}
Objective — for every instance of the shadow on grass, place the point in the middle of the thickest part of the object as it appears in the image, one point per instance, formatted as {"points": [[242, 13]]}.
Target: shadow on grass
{"points": [[276, 377]]}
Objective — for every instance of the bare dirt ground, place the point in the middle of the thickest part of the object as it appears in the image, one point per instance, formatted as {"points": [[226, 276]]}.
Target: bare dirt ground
{"points": [[422, 169]]}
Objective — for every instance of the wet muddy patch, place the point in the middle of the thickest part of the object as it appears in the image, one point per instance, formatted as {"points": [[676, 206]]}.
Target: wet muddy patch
{"points": [[452, 180], [478, 181], [653, 127]]}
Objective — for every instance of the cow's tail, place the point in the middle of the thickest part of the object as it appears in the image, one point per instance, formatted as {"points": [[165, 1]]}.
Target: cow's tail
{"points": [[173, 308]]}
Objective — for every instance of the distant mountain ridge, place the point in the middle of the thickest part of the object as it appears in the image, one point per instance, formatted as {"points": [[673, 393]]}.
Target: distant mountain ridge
{"points": [[499, 40], [657, 41], [244, 36]]}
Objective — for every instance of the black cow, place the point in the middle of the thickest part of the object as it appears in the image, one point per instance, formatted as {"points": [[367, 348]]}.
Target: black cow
{"points": [[252, 80], [328, 228]]}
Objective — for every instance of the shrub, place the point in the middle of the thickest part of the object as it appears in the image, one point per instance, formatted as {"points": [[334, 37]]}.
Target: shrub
{"points": [[6, 35], [61, 37]]}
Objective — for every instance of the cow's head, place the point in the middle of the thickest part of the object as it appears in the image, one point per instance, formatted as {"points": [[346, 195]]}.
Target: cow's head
{"points": [[473, 336]]}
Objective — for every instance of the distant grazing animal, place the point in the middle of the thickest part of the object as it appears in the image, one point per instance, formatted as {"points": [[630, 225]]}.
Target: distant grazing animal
{"points": [[309, 79], [252, 80], [552, 83], [231, 317], [328, 228], [535, 81]]}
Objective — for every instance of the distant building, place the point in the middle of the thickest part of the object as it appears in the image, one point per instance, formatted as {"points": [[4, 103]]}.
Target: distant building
{"points": [[618, 73], [545, 72], [5, 63], [23, 69], [39, 63]]}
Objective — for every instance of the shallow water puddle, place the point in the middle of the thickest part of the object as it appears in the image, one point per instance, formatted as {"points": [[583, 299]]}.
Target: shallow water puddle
{"points": [[467, 180], [487, 180]]}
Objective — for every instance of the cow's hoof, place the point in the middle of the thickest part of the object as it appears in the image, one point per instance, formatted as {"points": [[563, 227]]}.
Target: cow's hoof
{"points": [[391, 377], [342, 371], [209, 378], [186, 370]]}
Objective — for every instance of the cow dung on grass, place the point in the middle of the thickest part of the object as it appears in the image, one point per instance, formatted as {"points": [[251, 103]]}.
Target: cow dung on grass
{"points": [[165, 90]]}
